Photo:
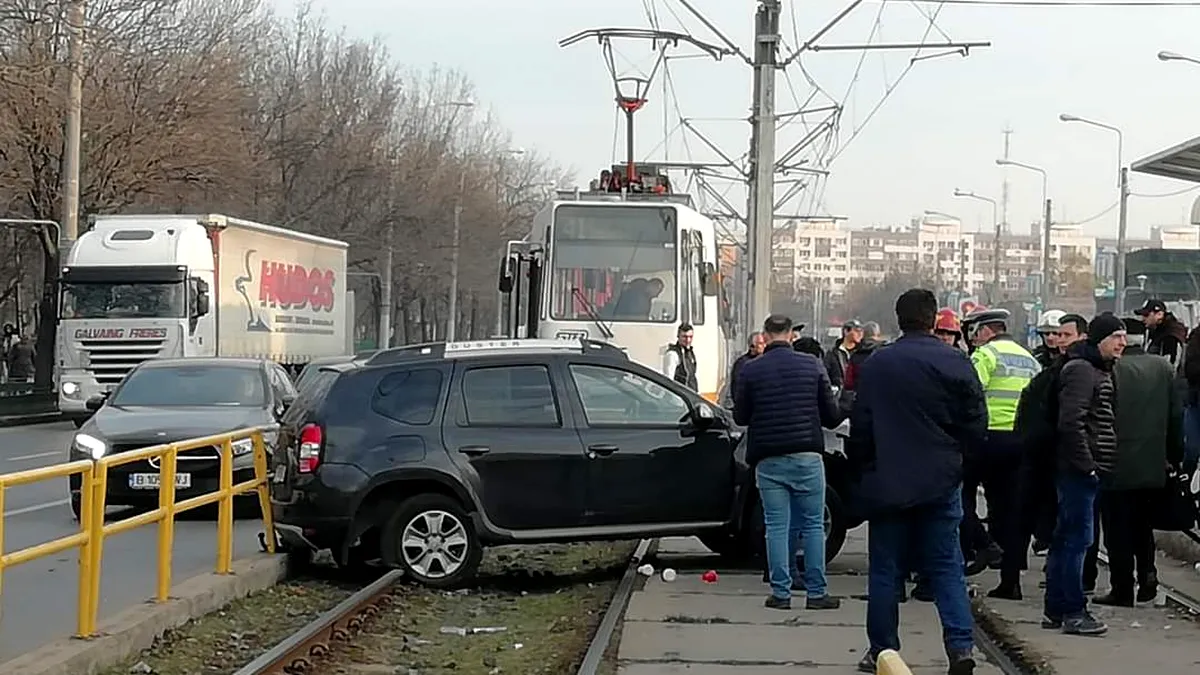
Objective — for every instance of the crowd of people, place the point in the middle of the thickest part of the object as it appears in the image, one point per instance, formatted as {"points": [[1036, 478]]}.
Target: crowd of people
{"points": [[1082, 435]]}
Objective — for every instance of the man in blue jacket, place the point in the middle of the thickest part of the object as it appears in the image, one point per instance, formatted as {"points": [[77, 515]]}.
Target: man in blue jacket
{"points": [[784, 397], [919, 408]]}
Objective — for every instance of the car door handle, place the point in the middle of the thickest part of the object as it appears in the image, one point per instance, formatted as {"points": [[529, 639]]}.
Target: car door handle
{"points": [[602, 450], [474, 450]]}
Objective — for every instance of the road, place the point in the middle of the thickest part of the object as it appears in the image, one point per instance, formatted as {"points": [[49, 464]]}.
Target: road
{"points": [[39, 598]]}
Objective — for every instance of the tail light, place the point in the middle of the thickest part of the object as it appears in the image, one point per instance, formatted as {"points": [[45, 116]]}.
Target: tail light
{"points": [[309, 455]]}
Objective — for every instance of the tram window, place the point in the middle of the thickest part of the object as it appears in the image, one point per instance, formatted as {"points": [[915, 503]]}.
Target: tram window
{"points": [[695, 272], [620, 259]]}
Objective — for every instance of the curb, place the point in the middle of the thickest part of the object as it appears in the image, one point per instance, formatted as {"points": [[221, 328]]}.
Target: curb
{"points": [[31, 418], [135, 629]]}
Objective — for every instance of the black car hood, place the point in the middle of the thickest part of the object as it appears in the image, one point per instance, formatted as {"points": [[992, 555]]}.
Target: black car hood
{"points": [[117, 424]]}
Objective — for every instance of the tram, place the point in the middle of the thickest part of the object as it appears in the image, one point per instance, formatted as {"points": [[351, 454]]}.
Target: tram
{"points": [[627, 261]]}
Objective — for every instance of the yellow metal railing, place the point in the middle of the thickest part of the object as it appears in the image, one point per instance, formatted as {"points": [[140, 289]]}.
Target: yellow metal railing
{"points": [[93, 528], [889, 663]]}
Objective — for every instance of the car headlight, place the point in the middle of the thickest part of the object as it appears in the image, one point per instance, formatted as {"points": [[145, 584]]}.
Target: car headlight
{"points": [[243, 446], [70, 388], [89, 445]]}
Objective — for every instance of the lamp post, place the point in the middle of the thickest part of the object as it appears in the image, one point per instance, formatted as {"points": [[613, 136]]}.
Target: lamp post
{"points": [[1045, 222], [1172, 56], [1123, 201], [995, 238]]}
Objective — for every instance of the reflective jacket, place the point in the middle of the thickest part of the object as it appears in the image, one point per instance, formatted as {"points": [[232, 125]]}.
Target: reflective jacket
{"points": [[1004, 368]]}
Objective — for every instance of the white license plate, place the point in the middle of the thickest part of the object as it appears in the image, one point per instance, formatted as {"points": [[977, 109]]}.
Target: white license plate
{"points": [[149, 481]]}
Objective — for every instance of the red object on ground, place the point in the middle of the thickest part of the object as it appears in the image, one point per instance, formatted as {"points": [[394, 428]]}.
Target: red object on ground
{"points": [[709, 577]]}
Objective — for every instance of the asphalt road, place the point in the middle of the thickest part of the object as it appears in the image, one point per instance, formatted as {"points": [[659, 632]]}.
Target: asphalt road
{"points": [[39, 598]]}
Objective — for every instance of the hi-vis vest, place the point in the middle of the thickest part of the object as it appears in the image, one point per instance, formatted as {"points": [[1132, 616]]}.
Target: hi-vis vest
{"points": [[1004, 369]]}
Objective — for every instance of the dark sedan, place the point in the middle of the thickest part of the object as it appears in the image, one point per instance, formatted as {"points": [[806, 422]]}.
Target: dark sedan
{"points": [[169, 400]]}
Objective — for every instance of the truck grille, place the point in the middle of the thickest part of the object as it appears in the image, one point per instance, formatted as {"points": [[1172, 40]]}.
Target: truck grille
{"points": [[113, 359]]}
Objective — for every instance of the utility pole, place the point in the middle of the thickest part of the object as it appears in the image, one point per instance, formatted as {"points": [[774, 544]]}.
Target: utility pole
{"points": [[1004, 187], [76, 15], [452, 321], [385, 292], [761, 207], [1119, 270], [1047, 288]]}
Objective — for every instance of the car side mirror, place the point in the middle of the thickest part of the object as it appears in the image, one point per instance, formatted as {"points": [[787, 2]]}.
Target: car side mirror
{"points": [[703, 415], [95, 403]]}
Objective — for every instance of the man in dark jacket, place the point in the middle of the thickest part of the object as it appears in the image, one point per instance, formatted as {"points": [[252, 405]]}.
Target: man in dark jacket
{"points": [[21, 358], [1166, 334], [784, 397], [838, 358], [757, 343], [919, 408], [1149, 435], [679, 363], [1087, 444]]}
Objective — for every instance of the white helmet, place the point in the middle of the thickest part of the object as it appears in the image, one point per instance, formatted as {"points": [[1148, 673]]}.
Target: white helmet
{"points": [[1049, 320]]}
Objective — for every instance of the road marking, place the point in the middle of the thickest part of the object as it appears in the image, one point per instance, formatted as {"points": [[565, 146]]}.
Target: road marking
{"points": [[35, 508], [21, 458]]}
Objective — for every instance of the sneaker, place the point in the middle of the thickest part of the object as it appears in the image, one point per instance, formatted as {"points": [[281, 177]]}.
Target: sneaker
{"points": [[989, 557], [1052, 622], [962, 664], [1084, 625], [867, 663], [773, 602], [822, 602]]}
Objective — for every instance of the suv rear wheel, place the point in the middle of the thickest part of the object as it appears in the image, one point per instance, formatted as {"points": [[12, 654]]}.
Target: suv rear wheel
{"points": [[432, 538]]}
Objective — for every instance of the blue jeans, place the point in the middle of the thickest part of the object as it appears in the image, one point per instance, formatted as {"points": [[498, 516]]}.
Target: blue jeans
{"points": [[927, 535], [792, 490], [1073, 535]]}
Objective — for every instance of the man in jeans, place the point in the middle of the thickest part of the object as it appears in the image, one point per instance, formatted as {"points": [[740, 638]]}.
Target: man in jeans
{"points": [[784, 397], [1087, 447], [919, 409]]}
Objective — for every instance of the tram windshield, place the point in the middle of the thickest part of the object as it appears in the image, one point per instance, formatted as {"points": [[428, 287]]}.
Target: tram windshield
{"points": [[613, 261]]}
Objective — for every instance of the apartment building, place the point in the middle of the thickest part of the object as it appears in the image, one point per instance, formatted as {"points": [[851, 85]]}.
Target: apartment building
{"points": [[812, 253]]}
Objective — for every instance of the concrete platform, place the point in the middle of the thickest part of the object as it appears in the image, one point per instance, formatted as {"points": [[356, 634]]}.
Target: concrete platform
{"points": [[688, 626]]}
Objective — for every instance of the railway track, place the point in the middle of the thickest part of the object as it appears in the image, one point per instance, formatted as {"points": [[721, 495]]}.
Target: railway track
{"points": [[1174, 596], [317, 642]]}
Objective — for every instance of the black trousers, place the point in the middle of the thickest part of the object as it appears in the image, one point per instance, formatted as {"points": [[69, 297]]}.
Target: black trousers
{"points": [[998, 469], [1090, 559], [1128, 537]]}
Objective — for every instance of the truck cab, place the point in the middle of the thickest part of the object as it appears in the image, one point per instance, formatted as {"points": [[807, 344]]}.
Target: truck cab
{"points": [[133, 288]]}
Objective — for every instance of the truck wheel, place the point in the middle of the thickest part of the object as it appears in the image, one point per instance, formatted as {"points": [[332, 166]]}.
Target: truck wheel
{"points": [[432, 538]]}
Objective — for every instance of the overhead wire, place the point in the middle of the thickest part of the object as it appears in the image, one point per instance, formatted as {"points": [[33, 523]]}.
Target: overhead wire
{"points": [[1057, 3], [1174, 193]]}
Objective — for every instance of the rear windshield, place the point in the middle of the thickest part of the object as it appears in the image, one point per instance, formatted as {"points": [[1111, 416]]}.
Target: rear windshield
{"points": [[316, 387], [199, 385]]}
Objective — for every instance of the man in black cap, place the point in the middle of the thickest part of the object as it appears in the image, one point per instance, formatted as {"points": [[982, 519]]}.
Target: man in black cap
{"points": [[784, 398], [838, 358], [1166, 334], [1087, 444], [1149, 436]]}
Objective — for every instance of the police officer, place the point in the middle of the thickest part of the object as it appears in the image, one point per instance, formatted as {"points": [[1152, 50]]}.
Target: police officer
{"points": [[1004, 368]]}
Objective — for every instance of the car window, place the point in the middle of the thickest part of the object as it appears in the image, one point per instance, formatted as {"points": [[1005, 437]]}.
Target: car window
{"points": [[618, 396], [410, 397], [510, 396], [311, 397]]}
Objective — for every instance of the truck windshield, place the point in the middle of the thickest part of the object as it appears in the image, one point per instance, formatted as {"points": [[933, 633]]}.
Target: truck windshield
{"points": [[123, 301], [622, 260]]}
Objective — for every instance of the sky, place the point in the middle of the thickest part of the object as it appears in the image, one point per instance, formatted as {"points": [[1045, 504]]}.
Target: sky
{"points": [[939, 129]]}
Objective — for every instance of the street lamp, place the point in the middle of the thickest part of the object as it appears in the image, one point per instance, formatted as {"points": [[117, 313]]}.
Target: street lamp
{"points": [[1172, 56], [995, 237], [1045, 221], [1123, 200]]}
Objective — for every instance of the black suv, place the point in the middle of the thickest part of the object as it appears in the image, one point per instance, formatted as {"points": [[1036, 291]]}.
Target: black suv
{"points": [[423, 455]]}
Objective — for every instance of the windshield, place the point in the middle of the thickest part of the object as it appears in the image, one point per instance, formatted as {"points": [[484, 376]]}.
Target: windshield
{"points": [[621, 260], [123, 301], [160, 386]]}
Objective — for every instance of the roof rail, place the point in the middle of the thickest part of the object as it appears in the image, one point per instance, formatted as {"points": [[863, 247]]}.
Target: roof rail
{"points": [[407, 352], [494, 346]]}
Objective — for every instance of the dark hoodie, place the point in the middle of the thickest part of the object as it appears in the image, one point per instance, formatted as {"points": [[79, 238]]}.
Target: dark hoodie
{"points": [[1167, 339]]}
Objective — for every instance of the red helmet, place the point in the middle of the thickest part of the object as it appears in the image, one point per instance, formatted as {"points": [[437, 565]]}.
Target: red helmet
{"points": [[947, 321]]}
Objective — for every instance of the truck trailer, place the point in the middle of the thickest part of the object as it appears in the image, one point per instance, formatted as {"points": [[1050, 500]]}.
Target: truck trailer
{"points": [[140, 287]]}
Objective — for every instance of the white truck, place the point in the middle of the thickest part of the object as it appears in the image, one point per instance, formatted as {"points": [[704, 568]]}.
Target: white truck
{"points": [[139, 287]]}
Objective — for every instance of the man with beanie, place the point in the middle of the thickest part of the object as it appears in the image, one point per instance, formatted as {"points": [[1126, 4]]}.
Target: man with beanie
{"points": [[1149, 436], [784, 397], [1087, 444]]}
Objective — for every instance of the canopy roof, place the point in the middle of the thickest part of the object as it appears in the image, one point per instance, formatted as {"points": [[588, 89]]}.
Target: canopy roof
{"points": [[1181, 162]]}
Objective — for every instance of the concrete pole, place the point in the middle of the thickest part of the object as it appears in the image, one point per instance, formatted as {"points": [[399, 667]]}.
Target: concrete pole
{"points": [[452, 320], [385, 292], [1119, 271], [1046, 286], [761, 208], [76, 13]]}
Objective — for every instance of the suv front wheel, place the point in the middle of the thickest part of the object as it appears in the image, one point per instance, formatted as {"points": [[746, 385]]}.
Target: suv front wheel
{"points": [[432, 538]]}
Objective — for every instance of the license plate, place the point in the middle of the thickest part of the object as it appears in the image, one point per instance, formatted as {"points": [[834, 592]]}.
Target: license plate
{"points": [[149, 481]]}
